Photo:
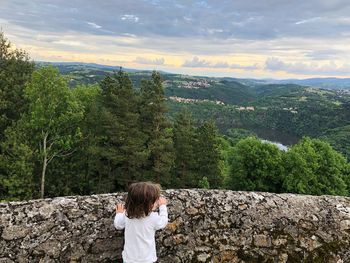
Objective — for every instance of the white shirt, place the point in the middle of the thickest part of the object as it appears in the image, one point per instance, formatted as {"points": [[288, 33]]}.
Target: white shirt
{"points": [[140, 244]]}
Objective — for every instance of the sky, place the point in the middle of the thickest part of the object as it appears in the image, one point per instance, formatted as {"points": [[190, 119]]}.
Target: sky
{"points": [[235, 38]]}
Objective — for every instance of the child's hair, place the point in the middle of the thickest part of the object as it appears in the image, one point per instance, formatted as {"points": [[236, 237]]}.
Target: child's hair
{"points": [[141, 198]]}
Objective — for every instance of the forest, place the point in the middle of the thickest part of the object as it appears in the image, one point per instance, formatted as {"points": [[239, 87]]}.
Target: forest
{"points": [[59, 137]]}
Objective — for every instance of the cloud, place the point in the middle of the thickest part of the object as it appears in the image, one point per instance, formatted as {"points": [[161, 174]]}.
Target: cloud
{"points": [[72, 43], [310, 20], [331, 68], [147, 61], [243, 67], [327, 54], [93, 25], [252, 30], [220, 65], [196, 62], [239, 19], [130, 18]]}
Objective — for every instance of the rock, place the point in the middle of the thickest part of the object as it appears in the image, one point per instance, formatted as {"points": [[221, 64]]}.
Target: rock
{"points": [[345, 225], [262, 241], [203, 257], [15, 232], [204, 226]]}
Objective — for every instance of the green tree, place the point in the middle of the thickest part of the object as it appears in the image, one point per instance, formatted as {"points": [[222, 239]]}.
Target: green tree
{"points": [[52, 116], [256, 166], [209, 159], [185, 140], [86, 159], [77, 173], [15, 70], [204, 183], [339, 139], [313, 167], [45, 132], [122, 151], [17, 162], [237, 134], [157, 130], [347, 178]]}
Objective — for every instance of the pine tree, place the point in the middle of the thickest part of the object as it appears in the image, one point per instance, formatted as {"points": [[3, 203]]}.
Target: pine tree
{"points": [[209, 160], [121, 151], [185, 172], [157, 130]]}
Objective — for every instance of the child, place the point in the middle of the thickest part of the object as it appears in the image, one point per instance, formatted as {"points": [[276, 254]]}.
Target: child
{"points": [[141, 222]]}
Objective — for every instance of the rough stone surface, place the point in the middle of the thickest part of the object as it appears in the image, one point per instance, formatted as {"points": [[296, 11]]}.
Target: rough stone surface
{"points": [[205, 226]]}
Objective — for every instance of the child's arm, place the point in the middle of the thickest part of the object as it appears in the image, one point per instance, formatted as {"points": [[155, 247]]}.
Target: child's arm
{"points": [[119, 220], [162, 218]]}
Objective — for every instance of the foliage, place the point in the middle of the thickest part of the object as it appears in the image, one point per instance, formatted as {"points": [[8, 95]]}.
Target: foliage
{"points": [[17, 162], [121, 149], [157, 130], [185, 166], [99, 138], [256, 166], [15, 69], [48, 129], [313, 167], [210, 161], [237, 134], [339, 139], [204, 183]]}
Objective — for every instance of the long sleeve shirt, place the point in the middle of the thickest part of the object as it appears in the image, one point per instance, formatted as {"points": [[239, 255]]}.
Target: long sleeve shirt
{"points": [[140, 244]]}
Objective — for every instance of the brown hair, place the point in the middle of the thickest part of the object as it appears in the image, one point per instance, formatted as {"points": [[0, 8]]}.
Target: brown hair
{"points": [[141, 198]]}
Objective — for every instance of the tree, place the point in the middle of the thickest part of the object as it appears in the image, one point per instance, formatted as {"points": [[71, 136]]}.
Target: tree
{"points": [[157, 130], [122, 146], [347, 178], [313, 167], [15, 70], [237, 134], [256, 166], [209, 160], [52, 116], [184, 137], [77, 173], [17, 162]]}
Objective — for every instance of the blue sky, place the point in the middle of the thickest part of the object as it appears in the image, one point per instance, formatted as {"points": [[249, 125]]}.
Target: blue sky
{"points": [[237, 38]]}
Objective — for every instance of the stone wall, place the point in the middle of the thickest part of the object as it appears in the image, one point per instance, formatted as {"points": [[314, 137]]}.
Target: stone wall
{"points": [[205, 226]]}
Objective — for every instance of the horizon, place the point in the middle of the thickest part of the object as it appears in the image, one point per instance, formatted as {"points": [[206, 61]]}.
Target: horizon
{"points": [[169, 72], [268, 39]]}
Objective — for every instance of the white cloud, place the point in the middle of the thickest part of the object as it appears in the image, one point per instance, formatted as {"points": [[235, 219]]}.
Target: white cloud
{"points": [[130, 18], [195, 62], [72, 43], [94, 25], [310, 20], [313, 68], [147, 61]]}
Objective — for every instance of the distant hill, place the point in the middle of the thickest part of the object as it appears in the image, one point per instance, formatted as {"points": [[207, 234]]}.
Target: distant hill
{"points": [[277, 110], [94, 72], [326, 83], [69, 66]]}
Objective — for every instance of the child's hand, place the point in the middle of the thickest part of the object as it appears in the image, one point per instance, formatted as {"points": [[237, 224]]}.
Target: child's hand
{"points": [[162, 201], [119, 208]]}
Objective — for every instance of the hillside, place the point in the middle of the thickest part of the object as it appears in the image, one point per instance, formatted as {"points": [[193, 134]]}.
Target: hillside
{"points": [[274, 111]]}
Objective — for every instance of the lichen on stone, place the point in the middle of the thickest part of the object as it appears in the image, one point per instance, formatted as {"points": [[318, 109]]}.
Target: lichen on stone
{"points": [[204, 226]]}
